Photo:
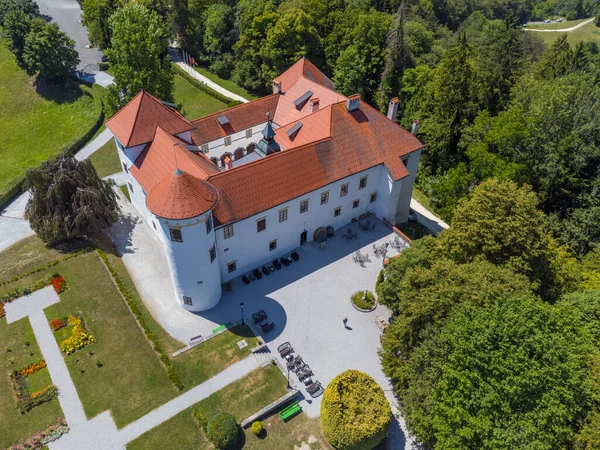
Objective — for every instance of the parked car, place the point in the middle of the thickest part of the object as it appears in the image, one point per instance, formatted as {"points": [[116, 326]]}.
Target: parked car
{"points": [[412, 216], [547, 21], [559, 20]]}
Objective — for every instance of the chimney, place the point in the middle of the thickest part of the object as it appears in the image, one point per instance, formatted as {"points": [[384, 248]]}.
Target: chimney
{"points": [[276, 87], [314, 105], [352, 102], [415, 127], [393, 109]]}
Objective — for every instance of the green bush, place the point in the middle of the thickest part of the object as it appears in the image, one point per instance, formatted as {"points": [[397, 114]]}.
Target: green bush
{"points": [[200, 419], [222, 431], [380, 278], [355, 415], [363, 299], [257, 428]]}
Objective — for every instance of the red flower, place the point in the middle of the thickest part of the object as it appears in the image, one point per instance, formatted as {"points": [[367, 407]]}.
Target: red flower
{"points": [[59, 284]]}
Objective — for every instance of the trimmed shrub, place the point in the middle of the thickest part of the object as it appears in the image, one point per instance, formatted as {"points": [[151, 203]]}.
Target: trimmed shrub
{"points": [[363, 299], [200, 419], [222, 431], [257, 428], [355, 415]]}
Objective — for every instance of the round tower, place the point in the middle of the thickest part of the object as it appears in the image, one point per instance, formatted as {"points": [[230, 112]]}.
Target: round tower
{"points": [[183, 207]]}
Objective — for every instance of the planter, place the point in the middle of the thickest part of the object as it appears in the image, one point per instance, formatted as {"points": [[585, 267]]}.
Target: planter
{"points": [[361, 295]]}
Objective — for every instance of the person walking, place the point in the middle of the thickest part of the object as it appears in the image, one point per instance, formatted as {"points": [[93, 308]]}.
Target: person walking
{"points": [[345, 322]]}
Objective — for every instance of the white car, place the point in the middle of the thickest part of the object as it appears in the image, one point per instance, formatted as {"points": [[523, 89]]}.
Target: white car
{"points": [[547, 21], [559, 20]]}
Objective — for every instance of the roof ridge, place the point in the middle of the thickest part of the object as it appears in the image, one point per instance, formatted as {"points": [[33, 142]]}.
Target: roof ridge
{"points": [[393, 121], [234, 107], [320, 85], [312, 114], [171, 110], [141, 94]]}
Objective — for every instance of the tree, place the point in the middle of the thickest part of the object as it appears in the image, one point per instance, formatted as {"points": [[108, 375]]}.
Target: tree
{"points": [[509, 376], [17, 26], [48, 51], [355, 415], [28, 7], [217, 32], [139, 54], [68, 199], [96, 15]]}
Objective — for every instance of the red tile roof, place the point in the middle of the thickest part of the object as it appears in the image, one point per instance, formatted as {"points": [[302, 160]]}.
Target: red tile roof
{"points": [[359, 140], [136, 122], [181, 196], [240, 117], [303, 69], [315, 127], [165, 154]]}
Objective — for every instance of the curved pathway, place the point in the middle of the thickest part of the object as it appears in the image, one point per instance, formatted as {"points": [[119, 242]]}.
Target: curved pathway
{"points": [[211, 84], [579, 25]]}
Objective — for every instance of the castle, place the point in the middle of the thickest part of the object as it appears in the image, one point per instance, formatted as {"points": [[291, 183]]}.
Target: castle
{"points": [[234, 190]]}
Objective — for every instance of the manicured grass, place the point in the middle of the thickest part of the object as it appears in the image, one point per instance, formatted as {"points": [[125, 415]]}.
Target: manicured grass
{"points": [[16, 354], [414, 230], [125, 192], [106, 159], [195, 103], [39, 380], [556, 26], [587, 33], [241, 398], [211, 357], [227, 84], [35, 126]]}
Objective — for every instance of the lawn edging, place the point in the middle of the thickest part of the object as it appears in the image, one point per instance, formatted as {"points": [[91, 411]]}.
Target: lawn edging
{"points": [[204, 88], [26, 290], [172, 374]]}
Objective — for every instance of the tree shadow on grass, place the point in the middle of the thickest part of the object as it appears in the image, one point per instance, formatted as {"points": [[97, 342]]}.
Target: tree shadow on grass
{"points": [[60, 92]]}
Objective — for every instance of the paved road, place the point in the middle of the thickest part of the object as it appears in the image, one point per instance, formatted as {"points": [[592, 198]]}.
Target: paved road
{"points": [[67, 14], [579, 25]]}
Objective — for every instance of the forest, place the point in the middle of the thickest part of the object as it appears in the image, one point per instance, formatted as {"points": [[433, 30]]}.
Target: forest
{"points": [[497, 319]]}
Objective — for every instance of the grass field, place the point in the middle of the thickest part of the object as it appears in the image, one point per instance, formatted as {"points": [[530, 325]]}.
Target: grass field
{"points": [[556, 26], [106, 159], [227, 84], [587, 33], [37, 126], [195, 103], [241, 398]]}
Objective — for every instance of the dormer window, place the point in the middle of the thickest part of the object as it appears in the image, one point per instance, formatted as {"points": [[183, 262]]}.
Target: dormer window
{"points": [[300, 101], [223, 120], [292, 132]]}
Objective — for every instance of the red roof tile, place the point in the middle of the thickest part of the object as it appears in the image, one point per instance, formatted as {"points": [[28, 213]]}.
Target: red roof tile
{"points": [[303, 69], [359, 140], [315, 127], [136, 122], [240, 117], [181, 196]]}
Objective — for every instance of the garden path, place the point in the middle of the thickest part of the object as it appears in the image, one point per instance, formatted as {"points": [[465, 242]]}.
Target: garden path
{"points": [[211, 84]]}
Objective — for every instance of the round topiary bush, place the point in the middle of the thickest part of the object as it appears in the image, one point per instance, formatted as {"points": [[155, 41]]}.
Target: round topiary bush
{"points": [[257, 428], [355, 415], [363, 300], [222, 431]]}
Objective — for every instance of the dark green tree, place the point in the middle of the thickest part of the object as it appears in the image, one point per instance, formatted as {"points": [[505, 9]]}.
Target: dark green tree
{"points": [[68, 199], [218, 25], [28, 7], [96, 15], [17, 26]]}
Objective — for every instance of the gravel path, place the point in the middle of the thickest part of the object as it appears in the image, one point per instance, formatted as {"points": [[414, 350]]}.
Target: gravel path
{"points": [[211, 84], [579, 25]]}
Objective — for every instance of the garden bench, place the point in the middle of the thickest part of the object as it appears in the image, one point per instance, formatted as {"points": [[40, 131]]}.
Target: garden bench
{"points": [[290, 411], [259, 316], [266, 327]]}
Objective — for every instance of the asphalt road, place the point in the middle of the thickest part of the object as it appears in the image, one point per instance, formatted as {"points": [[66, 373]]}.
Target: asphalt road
{"points": [[67, 14]]}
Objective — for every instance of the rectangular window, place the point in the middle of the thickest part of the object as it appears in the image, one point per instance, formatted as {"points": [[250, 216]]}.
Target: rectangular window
{"points": [[204, 148], [228, 140], [337, 211], [362, 183], [187, 300], [344, 190], [283, 215], [355, 203], [213, 253], [324, 197], [261, 225], [249, 133], [303, 206], [231, 267], [130, 186], [209, 224], [405, 162], [175, 235], [373, 197], [272, 245], [125, 169], [227, 231]]}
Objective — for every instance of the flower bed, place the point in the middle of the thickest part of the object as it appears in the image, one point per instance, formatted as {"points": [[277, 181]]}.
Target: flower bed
{"points": [[26, 290], [57, 324], [79, 336], [364, 300], [42, 438], [58, 283], [26, 400]]}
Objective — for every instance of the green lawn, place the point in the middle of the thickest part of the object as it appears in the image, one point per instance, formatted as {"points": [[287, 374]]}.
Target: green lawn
{"points": [[241, 398], [291, 435], [587, 33], [557, 26], [37, 126], [195, 103], [414, 230], [125, 191], [39, 380], [18, 349], [106, 159], [227, 84], [211, 357]]}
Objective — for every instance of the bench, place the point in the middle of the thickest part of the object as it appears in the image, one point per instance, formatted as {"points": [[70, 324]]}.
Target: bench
{"points": [[290, 411]]}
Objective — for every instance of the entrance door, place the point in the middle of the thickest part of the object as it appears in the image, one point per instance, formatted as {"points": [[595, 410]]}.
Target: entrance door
{"points": [[303, 237]]}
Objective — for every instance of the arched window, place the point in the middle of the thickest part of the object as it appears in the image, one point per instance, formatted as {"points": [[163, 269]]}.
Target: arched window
{"points": [[250, 148], [215, 161], [225, 155], [238, 153]]}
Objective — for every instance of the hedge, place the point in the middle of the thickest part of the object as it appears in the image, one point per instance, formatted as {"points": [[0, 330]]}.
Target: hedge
{"points": [[223, 431], [203, 87], [173, 376], [355, 415]]}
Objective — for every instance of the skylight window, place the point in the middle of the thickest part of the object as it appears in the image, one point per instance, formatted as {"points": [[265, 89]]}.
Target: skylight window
{"points": [[300, 101], [223, 120], [292, 132]]}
